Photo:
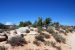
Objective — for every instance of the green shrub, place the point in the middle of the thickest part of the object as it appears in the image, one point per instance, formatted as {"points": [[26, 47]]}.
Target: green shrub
{"points": [[40, 29], [23, 24]]}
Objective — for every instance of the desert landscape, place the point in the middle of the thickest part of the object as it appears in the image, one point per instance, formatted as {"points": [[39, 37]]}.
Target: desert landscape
{"points": [[37, 24], [38, 36]]}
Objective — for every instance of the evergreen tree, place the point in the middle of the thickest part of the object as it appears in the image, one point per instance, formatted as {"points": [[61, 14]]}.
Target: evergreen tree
{"points": [[21, 24], [47, 21], [39, 22]]}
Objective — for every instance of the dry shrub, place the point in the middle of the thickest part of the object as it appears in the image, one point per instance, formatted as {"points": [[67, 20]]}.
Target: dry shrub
{"points": [[50, 31], [71, 30], [31, 30], [61, 31], [27, 31], [46, 49], [65, 33], [47, 36], [3, 48], [58, 37], [36, 43], [47, 43], [17, 41], [40, 38], [57, 29], [58, 48], [53, 44], [66, 30]]}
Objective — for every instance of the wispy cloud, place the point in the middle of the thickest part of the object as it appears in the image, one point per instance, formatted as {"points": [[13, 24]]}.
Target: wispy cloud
{"points": [[8, 23]]}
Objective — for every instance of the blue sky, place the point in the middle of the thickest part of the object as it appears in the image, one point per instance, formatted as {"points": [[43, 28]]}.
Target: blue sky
{"points": [[14, 11]]}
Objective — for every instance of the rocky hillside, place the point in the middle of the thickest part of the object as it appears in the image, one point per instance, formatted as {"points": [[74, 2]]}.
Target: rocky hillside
{"points": [[25, 38]]}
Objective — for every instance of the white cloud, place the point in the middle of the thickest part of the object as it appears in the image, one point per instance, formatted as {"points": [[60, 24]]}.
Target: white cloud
{"points": [[8, 23]]}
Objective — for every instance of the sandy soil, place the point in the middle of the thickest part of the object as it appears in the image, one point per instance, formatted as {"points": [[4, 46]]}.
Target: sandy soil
{"points": [[71, 41], [30, 37]]}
